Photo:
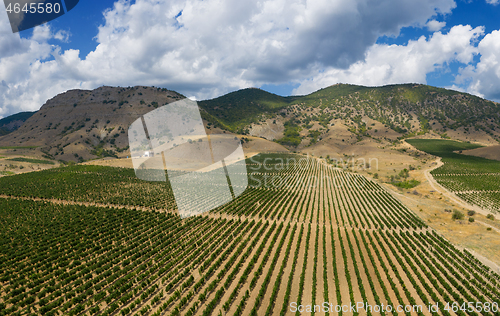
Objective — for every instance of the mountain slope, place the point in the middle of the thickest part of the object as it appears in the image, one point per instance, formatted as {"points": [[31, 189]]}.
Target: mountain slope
{"points": [[236, 110], [407, 110], [80, 125], [11, 123]]}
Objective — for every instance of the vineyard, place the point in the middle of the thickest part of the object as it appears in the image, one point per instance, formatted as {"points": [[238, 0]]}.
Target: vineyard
{"points": [[473, 179], [301, 234]]}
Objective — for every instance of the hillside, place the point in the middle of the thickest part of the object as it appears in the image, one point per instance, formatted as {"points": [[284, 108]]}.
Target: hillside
{"points": [[80, 125], [13, 122], [407, 110], [349, 114]]}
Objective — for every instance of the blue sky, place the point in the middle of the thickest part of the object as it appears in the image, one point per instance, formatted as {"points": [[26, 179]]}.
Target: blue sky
{"points": [[204, 49]]}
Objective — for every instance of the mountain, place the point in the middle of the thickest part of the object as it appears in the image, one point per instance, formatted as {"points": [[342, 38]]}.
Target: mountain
{"points": [[408, 110], [237, 110], [80, 124], [11, 123]]}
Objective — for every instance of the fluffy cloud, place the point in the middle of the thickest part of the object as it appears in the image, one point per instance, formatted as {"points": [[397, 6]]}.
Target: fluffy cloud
{"points": [[493, 2], [206, 48], [483, 78], [27, 75], [256, 41], [390, 64]]}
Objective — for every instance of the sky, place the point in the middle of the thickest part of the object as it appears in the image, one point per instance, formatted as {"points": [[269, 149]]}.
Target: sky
{"points": [[206, 48]]}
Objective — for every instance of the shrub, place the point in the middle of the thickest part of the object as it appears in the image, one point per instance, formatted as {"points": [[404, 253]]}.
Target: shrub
{"points": [[457, 215], [490, 217], [471, 219], [471, 213]]}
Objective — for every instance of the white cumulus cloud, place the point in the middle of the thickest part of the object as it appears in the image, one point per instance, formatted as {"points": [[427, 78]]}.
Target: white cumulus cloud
{"points": [[390, 64], [206, 48]]}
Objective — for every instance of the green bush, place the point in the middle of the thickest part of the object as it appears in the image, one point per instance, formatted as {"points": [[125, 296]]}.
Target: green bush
{"points": [[408, 184], [457, 215]]}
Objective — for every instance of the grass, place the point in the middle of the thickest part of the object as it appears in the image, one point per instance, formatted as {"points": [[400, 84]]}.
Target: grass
{"points": [[6, 173], [238, 109], [440, 147], [30, 160]]}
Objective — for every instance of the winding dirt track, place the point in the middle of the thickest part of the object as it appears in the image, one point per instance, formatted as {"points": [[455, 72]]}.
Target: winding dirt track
{"points": [[439, 188], [452, 196]]}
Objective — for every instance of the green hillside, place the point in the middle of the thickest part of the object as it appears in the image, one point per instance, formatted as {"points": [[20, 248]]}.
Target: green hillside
{"points": [[236, 110], [408, 109], [394, 104]]}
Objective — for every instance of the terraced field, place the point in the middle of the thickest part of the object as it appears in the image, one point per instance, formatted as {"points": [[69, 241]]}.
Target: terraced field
{"points": [[300, 235]]}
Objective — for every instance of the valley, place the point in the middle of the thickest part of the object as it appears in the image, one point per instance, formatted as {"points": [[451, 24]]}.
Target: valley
{"points": [[378, 195]]}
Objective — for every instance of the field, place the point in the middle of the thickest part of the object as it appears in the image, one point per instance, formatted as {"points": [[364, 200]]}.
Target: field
{"points": [[474, 179], [30, 160], [302, 233]]}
